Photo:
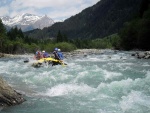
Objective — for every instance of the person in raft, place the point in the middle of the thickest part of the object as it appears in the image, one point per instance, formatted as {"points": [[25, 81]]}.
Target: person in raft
{"points": [[38, 55], [60, 54], [56, 56], [45, 54]]}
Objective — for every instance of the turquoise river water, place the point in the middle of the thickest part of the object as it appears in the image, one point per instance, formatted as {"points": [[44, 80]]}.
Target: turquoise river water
{"points": [[98, 83]]}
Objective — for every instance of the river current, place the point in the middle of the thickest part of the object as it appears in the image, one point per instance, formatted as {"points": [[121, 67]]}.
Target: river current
{"points": [[97, 83]]}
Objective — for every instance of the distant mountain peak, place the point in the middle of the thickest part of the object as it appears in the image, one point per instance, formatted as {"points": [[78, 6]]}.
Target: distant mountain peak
{"points": [[27, 21]]}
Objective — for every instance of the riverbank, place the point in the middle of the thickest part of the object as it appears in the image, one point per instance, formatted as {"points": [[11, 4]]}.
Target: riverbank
{"points": [[3, 55], [66, 54], [7, 55], [85, 52]]}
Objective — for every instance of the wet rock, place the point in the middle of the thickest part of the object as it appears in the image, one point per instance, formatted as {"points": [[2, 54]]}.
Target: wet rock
{"points": [[147, 57], [1, 55], [37, 65], [142, 55], [8, 96]]}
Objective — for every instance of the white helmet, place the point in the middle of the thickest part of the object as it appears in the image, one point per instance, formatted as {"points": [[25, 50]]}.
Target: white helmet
{"points": [[59, 50]]}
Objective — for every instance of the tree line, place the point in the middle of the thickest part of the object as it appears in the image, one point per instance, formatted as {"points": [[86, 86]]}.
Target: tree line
{"points": [[15, 42]]}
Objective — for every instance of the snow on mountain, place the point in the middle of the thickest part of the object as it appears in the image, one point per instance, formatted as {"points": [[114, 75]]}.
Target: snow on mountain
{"points": [[28, 21], [44, 21]]}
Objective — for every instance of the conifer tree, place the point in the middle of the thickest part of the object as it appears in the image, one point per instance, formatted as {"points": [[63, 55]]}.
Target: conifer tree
{"points": [[59, 37], [65, 38], [2, 35]]}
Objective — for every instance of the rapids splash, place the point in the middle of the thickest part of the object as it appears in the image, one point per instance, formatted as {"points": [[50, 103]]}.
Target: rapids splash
{"points": [[98, 83]]}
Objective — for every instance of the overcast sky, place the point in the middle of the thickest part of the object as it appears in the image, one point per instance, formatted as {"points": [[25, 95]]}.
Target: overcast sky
{"points": [[55, 9]]}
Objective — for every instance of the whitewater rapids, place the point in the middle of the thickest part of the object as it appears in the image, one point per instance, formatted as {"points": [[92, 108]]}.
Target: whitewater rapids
{"points": [[97, 83]]}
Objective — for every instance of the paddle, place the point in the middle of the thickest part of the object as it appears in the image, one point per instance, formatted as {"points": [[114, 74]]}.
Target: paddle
{"points": [[26, 61], [62, 63]]}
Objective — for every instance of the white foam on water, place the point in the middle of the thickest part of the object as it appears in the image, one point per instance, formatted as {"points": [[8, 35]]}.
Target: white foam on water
{"points": [[146, 64], [74, 66], [95, 68], [112, 90], [116, 57], [135, 100], [69, 89], [48, 77], [4, 68], [87, 72], [9, 67], [148, 74], [98, 58], [127, 85], [110, 75], [122, 66], [89, 59], [82, 74], [116, 87]]}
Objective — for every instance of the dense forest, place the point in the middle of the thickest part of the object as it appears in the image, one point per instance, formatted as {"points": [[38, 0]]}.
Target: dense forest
{"points": [[134, 35], [14, 42]]}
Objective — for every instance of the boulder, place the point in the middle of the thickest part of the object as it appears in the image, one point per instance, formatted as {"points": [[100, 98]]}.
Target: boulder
{"points": [[1, 55], [8, 96], [142, 55], [147, 57]]}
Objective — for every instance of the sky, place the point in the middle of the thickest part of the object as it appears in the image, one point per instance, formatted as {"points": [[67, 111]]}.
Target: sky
{"points": [[58, 10]]}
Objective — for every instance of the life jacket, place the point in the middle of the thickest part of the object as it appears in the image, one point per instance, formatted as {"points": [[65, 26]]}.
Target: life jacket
{"points": [[38, 55], [60, 55], [56, 55], [45, 55]]}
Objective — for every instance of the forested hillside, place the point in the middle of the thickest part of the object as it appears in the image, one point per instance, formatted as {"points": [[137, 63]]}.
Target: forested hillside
{"points": [[136, 33], [14, 42], [104, 18]]}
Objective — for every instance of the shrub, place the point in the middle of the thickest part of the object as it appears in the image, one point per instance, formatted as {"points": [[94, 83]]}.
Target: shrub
{"points": [[66, 47]]}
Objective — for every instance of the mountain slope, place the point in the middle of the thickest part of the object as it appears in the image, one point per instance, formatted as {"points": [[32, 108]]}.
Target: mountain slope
{"points": [[104, 18], [28, 21]]}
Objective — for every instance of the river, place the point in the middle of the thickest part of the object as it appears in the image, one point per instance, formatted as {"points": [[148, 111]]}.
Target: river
{"points": [[97, 83]]}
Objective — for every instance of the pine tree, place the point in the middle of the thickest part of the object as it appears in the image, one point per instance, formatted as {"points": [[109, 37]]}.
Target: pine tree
{"points": [[59, 37], [65, 38], [2, 35]]}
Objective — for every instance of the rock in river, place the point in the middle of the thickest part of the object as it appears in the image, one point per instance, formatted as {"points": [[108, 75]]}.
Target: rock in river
{"points": [[8, 96]]}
